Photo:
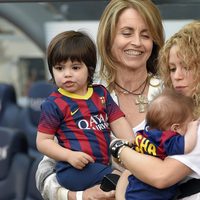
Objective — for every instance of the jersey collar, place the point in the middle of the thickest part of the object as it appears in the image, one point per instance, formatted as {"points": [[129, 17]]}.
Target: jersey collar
{"points": [[76, 96]]}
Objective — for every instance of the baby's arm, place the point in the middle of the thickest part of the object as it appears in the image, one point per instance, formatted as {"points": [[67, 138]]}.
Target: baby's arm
{"points": [[122, 129], [47, 145], [191, 135]]}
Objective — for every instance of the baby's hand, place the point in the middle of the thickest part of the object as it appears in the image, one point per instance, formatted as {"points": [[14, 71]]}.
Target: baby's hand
{"points": [[79, 159]]}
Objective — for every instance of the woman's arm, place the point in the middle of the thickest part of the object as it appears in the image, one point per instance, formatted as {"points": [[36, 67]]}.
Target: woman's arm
{"points": [[154, 171], [122, 185], [93, 193], [122, 129], [45, 178]]}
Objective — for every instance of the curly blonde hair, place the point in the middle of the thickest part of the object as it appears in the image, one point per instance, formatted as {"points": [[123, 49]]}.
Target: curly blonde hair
{"points": [[188, 41]]}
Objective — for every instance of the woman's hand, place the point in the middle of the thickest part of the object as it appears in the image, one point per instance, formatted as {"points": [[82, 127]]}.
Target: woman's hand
{"points": [[95, 193]]}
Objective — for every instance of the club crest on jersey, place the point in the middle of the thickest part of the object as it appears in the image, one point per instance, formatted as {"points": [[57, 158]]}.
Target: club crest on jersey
{"points": [[103, 101]]}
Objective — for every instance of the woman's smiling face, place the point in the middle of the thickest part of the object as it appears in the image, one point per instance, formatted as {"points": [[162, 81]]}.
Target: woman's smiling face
{"points": [[133, 44]]}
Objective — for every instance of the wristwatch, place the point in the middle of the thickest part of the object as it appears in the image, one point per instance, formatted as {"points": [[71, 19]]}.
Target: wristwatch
{"points": [[116, 145]]}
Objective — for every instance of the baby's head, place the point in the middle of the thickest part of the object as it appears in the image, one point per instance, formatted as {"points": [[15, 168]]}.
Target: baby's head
{"points": [[73, 46], [170, 110]]}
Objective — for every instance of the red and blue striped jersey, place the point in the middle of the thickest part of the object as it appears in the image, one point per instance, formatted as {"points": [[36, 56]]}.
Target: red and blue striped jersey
{"points": [[159, 143], [81, 123]]}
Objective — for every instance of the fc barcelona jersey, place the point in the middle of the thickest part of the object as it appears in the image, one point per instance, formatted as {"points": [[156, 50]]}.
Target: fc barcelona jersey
{"points": [[159, 143], [81, 123]]}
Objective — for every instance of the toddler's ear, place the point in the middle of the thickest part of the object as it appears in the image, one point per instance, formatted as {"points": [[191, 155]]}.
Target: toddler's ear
{"points": [[175, 127]]}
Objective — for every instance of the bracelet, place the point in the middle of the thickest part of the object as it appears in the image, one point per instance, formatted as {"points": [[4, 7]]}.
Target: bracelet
{"points": [[79, 195], [118, 154], [117, 145]]}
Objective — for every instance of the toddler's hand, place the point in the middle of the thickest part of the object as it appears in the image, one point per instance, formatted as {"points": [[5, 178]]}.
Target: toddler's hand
{"points": [[79, 159]]}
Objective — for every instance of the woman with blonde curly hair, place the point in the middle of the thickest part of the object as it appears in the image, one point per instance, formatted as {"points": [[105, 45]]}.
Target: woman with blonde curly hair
{"points": [[184, 45], [179, 67]]}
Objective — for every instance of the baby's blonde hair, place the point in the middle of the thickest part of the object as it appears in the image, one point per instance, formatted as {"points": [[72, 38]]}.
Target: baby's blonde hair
{"points": [[167, 108]]}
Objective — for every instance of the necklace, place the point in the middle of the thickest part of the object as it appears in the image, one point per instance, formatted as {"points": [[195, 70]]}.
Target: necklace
{"points": [[125, 91], [141, 99]]}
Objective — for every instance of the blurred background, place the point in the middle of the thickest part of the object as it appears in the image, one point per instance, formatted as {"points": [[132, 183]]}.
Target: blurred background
{"points": [[26, 27]]}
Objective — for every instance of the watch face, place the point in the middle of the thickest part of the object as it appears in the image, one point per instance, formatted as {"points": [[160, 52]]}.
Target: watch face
{"points": [[115, 147], [119, 143]]}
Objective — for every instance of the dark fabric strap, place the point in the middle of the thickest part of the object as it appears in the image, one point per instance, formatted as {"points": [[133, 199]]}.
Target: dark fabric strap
{"points": [[188, 188]]}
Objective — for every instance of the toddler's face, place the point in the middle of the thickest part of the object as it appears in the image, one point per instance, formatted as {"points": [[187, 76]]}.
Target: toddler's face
{"points": [[71, 76]]}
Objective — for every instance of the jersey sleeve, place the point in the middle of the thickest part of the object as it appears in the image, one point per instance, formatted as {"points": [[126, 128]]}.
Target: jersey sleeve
{"points": [[49, 118], [113, 110], [173, 143]]}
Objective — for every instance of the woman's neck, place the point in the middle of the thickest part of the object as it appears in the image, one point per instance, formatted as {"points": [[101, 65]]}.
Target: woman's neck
{"points": [[131, 79]]}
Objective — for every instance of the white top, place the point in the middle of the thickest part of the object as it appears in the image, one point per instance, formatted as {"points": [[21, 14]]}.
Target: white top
{"points": [[192, 159]]}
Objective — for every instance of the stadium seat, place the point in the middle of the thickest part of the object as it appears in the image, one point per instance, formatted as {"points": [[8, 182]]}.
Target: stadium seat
{"points": [[30, 115], [14, 164], [9, 110]]}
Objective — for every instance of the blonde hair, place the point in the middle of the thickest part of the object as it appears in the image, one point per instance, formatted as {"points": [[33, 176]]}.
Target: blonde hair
{"points": [[107, 31], [188, 42], [167, 108]]}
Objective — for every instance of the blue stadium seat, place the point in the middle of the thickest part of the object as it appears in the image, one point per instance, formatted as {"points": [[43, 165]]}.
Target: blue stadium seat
{"points": [[14, 164], [9, 110], [30, 115]]}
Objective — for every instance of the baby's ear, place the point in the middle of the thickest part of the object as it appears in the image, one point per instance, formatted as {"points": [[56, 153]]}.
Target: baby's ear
{"points": [[175, 127]]}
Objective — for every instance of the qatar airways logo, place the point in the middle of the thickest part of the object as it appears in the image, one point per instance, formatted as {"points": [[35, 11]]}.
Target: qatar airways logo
{"points": [[96, 122]]}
